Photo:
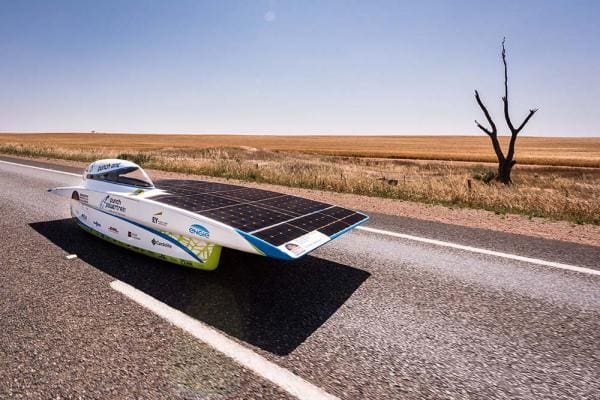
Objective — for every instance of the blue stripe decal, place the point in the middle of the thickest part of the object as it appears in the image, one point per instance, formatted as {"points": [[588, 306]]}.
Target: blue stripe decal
{"points": [[268, 249], [156, 232]]}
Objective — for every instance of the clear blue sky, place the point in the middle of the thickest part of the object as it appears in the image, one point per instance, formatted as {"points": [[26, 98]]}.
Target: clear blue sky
{"points": [[372, 67]]}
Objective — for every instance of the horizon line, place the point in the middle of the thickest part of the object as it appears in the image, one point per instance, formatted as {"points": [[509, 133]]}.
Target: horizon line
{"points": [[280, 134]]}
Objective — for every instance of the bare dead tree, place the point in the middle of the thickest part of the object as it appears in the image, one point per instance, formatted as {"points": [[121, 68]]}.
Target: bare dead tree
{"points": [[505, 162]]}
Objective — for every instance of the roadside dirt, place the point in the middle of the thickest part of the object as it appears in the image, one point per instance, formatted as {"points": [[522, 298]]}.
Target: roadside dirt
{"points": [[509, 223]]}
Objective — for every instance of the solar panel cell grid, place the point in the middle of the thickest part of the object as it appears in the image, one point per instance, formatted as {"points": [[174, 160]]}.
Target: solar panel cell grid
{"points": [[280, 234], [246, 217], [197, 202], [192, 187], [353, 219], [333, 228], [295, 205], [312, 222], [249, 194], [338, 212], [274, 217]]}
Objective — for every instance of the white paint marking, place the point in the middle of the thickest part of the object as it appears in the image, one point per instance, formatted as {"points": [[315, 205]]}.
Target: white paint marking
{"points": [[482, 251], [283, 378], [40, 168], [71, 256]]}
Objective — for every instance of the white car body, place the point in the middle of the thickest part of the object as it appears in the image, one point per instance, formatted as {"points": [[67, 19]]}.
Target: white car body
{"points": [[117, 208]]}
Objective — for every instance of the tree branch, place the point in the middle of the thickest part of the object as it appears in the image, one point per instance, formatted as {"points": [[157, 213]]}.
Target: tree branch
{"points": [[505, 97], [483, 128], [505, 68], [497, 148], [513, 137], [507, 116], [493, 131], [511, 147], [531, 112]]}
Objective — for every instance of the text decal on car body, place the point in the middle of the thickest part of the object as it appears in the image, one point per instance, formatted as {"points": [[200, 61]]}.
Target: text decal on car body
{"points": [[156, 219], [104, 167], [112, 204], [159, 243], [199, 230]]}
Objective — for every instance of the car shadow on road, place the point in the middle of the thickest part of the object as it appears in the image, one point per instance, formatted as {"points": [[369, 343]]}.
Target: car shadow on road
{"points": [[274, 305]]}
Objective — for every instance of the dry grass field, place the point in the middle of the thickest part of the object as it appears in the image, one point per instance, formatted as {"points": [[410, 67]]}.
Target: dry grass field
{"points": [[578, 152], [562, 180]]}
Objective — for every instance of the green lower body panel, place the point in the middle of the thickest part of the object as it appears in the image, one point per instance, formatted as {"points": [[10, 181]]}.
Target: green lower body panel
{"points": [[211, 263]]}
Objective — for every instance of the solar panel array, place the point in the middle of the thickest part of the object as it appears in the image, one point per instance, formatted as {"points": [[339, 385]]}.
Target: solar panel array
{"points": [[273, 217]]}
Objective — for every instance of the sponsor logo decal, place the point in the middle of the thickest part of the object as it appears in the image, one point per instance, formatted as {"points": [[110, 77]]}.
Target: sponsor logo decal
{"points": [[133, 235], [294, 248], [199, 230], [159, 243], [84, 217], [156, 220], [97, 224], [305, 242], [113, 204], [113, 229], [83, 198], [104, 167]]}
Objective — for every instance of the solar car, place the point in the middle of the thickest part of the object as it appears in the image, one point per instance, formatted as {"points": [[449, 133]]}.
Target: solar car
{"points": [[187, 222]]}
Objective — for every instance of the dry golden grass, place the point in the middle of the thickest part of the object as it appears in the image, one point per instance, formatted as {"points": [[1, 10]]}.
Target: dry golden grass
{"points": [[578, 152], [568, 193]]}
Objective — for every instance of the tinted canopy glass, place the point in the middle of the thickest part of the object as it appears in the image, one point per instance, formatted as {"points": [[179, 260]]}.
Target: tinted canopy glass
{"points": [[130, 176]]}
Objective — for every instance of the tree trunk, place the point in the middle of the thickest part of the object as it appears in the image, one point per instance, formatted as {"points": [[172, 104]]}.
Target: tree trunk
{"points": [[504, 170]]}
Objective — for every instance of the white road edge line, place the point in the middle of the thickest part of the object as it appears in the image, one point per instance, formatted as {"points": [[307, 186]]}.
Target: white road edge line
{"points": [[40, 168], [482, 251], [264, 368]]}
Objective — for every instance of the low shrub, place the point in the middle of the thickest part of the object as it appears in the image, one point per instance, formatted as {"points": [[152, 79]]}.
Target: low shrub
{"points": [[482, 174]]}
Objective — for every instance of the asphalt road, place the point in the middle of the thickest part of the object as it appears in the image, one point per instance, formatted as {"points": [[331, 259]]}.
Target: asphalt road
{"points": [[366, 316]]}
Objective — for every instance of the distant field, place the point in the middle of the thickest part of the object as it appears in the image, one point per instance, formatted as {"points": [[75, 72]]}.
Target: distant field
{"points": [[555, 187], [577, 152]]}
